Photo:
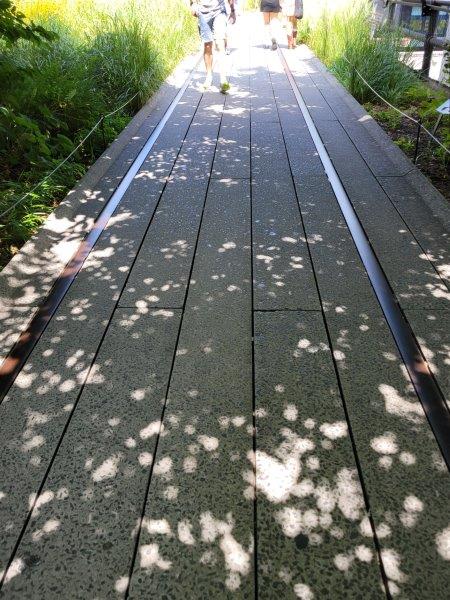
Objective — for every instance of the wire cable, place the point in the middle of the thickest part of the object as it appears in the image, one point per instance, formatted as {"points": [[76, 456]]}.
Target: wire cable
{"points": [[63, 162], [397, 109]]}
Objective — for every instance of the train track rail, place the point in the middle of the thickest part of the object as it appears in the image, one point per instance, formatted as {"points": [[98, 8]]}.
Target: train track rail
{"points": [[425, 385], [18, 355]]}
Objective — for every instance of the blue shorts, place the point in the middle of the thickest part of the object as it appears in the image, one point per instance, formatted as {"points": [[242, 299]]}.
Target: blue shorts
{"points": [[212, 28]]}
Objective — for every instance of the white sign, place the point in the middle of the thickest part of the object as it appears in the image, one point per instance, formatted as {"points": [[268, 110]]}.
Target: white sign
{"points": [[444, 109]]}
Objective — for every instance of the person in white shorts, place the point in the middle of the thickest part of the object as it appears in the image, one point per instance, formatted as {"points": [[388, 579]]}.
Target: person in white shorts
{"points": [[292, 10], [212, 26]]}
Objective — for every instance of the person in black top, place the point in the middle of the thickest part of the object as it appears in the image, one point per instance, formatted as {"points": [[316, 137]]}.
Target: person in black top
{"points": [[270, 10]]}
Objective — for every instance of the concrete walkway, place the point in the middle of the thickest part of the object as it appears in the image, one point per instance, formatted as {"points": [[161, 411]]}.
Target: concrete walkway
{"points": [[218, 407]]}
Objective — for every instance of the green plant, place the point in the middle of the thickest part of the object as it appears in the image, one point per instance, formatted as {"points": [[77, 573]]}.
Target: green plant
{"points": [[52, 94], [405, 143], [344, 40], [14, 27], [390, 117]]}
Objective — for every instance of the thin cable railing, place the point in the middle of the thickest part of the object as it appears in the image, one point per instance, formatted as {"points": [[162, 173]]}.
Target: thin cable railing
{"points": [[418, 123], [63, 162]]}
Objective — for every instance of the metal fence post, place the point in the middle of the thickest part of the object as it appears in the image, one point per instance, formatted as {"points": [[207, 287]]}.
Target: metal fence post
{"points": [[391, 12], [102, 127], [428, 46], [444, 75]]}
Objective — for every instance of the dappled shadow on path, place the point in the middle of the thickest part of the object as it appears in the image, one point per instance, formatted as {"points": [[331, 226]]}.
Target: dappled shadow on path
{"points": [[136, 387]]}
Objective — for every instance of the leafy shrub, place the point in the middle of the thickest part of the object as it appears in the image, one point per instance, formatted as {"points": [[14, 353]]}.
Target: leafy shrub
{"points": [[53, 93], [13, 26]]}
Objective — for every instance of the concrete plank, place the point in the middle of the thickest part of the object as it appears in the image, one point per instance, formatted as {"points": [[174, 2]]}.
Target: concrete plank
{"points": [[35, 411], [316, 103], [428, 229], [197, 534], [412, 276], [79, 541], [237, 102], [14, 320], [29, 276], [432, 330], [282, 271], [264, 109], [309, 499], [376, 147], [302, 153], [437, 204], [342, 103], [382, 156], [407, 482], [197, 152], [56, 369], [233, 147], [105, 271], [268, 151], [160, 275], [263, 106], [210, 108], [341, 276], [161, 270]]}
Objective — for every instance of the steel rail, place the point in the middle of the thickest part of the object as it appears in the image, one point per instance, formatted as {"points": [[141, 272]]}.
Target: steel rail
{"points": [[18, 355], [427, 390]]}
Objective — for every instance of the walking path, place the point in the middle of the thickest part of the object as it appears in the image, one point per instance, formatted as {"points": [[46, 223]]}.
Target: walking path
{"points": [[224, 326]]}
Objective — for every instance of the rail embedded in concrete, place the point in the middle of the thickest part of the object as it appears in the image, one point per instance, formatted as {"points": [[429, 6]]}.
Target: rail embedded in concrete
{"points": [[426, 387], [15, 360]]}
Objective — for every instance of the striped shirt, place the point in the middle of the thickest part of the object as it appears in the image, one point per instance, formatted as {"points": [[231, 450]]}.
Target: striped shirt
{"points": [[211, 8]]}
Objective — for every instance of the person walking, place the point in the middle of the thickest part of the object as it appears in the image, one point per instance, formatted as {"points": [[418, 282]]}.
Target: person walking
{"points": [[270, 10], [292, 10], [212, 25]]}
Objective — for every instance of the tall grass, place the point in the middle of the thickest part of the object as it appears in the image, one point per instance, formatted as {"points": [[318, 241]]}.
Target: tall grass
{"points": [[51, 95], [341, 34], [344, 36]]}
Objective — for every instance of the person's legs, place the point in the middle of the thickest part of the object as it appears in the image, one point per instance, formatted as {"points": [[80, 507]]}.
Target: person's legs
{"points": [[267, 36], [208, 58], [274, 29], [227, 31], [220, 34], [221, 65], [294, 21], [206, 34], [289, 31], [270, 22]]}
